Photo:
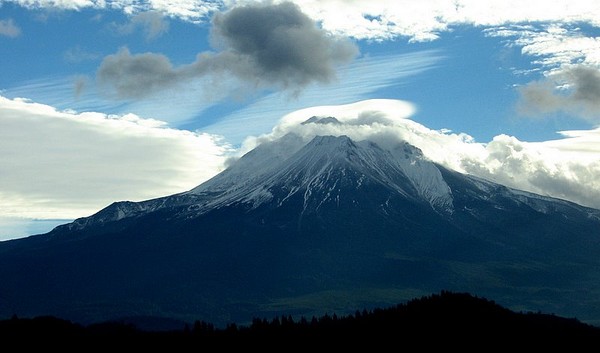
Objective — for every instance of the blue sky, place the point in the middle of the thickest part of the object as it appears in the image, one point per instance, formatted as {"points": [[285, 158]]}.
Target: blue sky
{"points": [[120, 100]]}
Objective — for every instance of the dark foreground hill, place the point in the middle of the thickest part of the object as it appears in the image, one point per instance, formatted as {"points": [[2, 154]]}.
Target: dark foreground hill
{"points": [[440, 320]]}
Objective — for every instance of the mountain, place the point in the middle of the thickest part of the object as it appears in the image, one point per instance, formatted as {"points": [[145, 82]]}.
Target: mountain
{"points": [[305, 228]]}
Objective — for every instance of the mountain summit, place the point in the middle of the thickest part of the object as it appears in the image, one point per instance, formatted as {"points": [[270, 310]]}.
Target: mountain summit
{"points": [[310, 227]]}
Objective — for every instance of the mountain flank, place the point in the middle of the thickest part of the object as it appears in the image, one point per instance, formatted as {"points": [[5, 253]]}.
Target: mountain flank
{"points": [[306, 226]]}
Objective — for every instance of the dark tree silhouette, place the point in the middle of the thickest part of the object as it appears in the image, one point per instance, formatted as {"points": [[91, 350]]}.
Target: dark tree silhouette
{"points": [[440, 320]]}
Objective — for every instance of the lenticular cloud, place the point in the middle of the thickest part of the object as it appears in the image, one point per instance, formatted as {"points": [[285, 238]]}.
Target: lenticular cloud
{"points": [[567, 168]]}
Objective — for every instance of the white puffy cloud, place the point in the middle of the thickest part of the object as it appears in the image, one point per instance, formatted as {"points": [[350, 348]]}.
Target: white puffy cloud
{"points": [[64, 164], [60, 4], [425, 20], [375, 19], [558, 46], [189, 10], [566, 168]]}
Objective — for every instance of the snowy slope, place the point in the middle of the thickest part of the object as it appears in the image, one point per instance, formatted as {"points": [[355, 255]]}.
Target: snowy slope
{"points": [[322, 165], [329, 170], [252, 166]]}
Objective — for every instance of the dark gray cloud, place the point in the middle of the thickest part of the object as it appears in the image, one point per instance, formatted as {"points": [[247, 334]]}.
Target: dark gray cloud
{"points": [[135, 76], [264, 46], [586, 86], [283, 44], [580, 97]]}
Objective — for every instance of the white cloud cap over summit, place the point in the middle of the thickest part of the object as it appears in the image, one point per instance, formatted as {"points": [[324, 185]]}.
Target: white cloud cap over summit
{"points": [[567, 168]]}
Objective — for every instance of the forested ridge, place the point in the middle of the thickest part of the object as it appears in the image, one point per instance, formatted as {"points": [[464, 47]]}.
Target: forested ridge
{"points": [[446, 318]]}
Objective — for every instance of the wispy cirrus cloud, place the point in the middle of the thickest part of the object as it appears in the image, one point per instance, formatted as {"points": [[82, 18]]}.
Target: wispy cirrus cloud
{"points": [[363, 78]]}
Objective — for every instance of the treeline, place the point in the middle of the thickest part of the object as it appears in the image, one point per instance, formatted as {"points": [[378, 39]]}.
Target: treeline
{"points": [[444, 319]]}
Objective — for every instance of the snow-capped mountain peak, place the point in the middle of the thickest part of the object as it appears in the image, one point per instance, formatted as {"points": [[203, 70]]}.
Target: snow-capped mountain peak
{"points": [[324, 163], [326, 169], [327, 172]]}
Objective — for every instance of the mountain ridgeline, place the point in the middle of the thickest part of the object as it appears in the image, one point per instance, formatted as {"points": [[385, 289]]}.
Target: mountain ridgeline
{"points": [[445, 320], [309, 227]]}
